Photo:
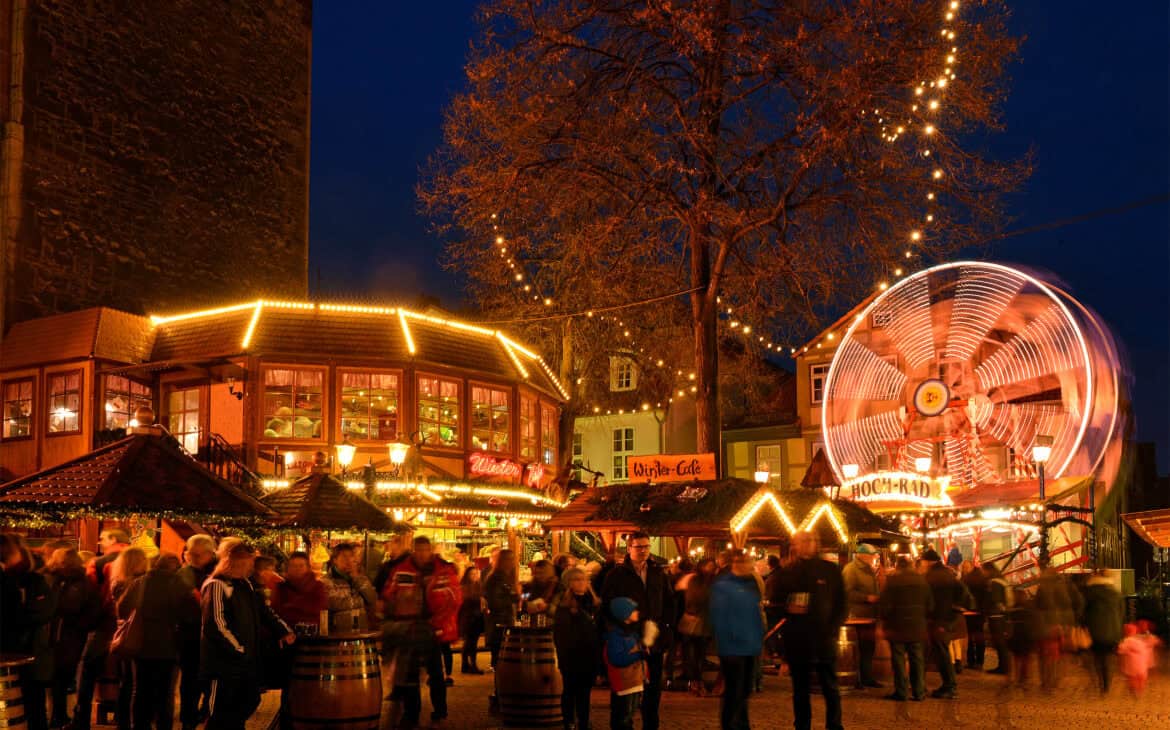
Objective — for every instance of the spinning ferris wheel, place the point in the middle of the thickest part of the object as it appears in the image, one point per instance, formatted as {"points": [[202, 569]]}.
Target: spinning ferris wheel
{"points": [[967, 366]]}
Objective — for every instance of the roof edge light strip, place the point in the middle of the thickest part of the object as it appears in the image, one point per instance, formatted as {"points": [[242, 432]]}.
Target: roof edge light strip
{"points": [[252, 325], [406, 332], [157, 320], [446, 322], [512, 354]]}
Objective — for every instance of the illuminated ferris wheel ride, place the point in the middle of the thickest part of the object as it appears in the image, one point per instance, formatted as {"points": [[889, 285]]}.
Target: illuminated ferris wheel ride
{"points": [[964, 366]]}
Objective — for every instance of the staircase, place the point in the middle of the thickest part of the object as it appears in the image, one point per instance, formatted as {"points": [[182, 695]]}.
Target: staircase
{"points": [[225, 461]]}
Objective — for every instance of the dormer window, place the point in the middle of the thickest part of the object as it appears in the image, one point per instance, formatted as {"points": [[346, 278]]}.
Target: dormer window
{"points": [[622, 375]]}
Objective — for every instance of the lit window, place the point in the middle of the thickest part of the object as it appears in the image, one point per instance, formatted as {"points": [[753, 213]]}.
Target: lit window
{"points": [[817, 375], [438, 411], [490, 422], [123, 397], [292, 403], [65, 402], [577, 452], [549, 428], [527, 428], [621, 374], [18, 406], [369, 406], [623, 446], [183, 417]]}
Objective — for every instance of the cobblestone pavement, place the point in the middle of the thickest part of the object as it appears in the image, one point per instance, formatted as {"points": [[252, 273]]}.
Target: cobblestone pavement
{"points": [[984, 702]]}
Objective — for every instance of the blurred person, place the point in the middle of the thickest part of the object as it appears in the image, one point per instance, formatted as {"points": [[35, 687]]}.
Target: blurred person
{"points": [[976, 619], [300, 598], [738, 629], [160, 600], [576, 640], [233, 615], [861, 590], [28, 609], [813, 596], [644, 581], [352, 600], [948, 596], [422, 600], [1000, 598], [266, 578], [1026, 630], [76, 607], [1059, 604], [541, 589], [194, 692], [625, 662], [694, 627], [127, 570], [1136, 652], [1104, 616], [471, 619], [501, 592], [562, 562], [904, 606]]}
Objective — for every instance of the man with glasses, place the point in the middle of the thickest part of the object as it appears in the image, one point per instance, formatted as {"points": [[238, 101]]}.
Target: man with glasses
{"points": [[641, 579]]}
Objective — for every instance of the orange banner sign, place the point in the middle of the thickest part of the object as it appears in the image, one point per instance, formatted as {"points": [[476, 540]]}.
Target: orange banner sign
{"points": [[672, 467]]}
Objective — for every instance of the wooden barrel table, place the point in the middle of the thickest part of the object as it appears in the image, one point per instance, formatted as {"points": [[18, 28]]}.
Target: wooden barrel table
{"points": [[335, 682], [12, 712], [848, 660], [527, 681]]}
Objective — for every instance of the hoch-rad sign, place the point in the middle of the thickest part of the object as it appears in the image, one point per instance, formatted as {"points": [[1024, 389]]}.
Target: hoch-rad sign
{"points": [[894, 490]]}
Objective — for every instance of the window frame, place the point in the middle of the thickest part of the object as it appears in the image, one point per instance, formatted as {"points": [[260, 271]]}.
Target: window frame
{"points": [[626, 441], [264, 417], [199, 412], [80, 372], [339, 399], [461, 410], [32, 407], [532, 420], [507, 431], [130, 400], [622, 368], [815, 373], [548, 455]]}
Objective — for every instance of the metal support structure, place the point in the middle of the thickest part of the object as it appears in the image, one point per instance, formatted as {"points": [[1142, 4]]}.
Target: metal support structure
{"points": [[1043, 519]]}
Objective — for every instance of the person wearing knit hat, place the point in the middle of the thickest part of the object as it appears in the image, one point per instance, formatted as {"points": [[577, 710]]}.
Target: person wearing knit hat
{"points": [[625, 663]]}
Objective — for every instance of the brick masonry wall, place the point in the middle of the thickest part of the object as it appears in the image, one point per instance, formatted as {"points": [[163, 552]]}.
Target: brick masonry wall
{"points": [[166, 154]]}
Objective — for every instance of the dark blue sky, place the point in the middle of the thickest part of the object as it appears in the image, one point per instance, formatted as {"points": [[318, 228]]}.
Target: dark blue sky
{"points": [[1090, 96]]}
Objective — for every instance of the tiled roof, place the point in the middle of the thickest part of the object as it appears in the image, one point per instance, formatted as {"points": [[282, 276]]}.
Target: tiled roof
{"points": [[142, 472], [96, 332], [201, 337], [320, 502]]}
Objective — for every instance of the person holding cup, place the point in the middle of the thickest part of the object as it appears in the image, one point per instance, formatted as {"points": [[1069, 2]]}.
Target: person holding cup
{"points": [[811, 598]]}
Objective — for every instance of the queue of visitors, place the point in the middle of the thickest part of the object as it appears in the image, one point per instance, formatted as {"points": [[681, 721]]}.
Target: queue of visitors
{"points": [[206, 622]]}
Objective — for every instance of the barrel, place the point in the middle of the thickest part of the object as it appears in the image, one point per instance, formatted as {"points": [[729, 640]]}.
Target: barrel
{"points": [[335, 682], [12, 713], [848, 660], [527, 680]]}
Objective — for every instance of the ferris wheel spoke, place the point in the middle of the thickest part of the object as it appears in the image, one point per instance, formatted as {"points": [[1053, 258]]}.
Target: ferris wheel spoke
{"points": [[981, 299], [910, 326], [863, 440], [1046, 346], [862, 375]]}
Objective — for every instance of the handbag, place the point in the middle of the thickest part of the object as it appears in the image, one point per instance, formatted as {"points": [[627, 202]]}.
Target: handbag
{"points": [[128, 637], [1076, 638]]}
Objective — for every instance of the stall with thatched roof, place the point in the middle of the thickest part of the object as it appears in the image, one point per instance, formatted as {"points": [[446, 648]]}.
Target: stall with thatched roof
{"points": [[734, 510]]}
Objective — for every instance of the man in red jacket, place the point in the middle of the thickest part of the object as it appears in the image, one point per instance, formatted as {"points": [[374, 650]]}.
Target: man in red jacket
{"points": [[301, 597], [422, 598]]}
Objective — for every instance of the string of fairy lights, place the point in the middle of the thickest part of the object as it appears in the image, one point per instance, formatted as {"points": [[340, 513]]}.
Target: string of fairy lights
{"points": [[920, 124]]}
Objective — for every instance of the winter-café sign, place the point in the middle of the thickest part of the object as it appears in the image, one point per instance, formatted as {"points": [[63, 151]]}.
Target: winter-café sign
{"points": [[671, 467], [894, 489]]}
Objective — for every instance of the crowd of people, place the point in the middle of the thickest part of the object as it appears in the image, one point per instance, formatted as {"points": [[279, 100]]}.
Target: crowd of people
{"points": [[214, 620]]}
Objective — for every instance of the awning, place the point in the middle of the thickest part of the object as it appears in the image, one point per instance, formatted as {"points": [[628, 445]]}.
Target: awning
{"points": [[321, 502], [1152, 526]]}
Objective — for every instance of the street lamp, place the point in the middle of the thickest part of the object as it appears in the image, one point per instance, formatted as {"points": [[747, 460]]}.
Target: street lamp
{"points": [[345, 452], [398, 451], [850, 471], [1041, 450], [922, 464]]}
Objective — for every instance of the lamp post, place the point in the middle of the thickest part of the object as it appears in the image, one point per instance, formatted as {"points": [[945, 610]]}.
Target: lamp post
{"points": [[345, 452], [1041, 450]]}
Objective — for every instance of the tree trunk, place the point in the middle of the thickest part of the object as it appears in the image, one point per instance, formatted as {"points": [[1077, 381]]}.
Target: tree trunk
{"points": [[565, 373], [703, 318]]}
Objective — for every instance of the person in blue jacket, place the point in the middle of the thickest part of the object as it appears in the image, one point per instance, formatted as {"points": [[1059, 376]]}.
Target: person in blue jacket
{"points": [[625, 663], [738, 627]]}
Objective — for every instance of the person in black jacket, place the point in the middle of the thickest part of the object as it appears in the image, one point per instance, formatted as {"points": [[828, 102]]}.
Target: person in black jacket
{"points": [[233, 613], [949, 596], [811, 593], [76, 608], [575, 636], [198, 562], [646, 583], [161, 602], [28, 609], [903, 607]]}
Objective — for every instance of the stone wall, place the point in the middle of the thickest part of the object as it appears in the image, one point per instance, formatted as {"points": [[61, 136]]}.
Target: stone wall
{"points": [[165, 154]]}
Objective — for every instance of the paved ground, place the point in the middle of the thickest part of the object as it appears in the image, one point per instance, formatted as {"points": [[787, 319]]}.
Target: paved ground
{"points": [[984, 702]]}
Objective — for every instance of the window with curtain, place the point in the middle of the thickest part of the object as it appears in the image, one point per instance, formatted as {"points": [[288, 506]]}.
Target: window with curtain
{"points": [[549, 426], [293, 403], [369, 405], [527, 427], [65, 402], [18, 408], [491, 425], [438, 411], [183, 417], [123, 397]]}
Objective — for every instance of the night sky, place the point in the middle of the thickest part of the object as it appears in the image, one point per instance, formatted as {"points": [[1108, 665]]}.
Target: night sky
{"points": [[1090, 96]]}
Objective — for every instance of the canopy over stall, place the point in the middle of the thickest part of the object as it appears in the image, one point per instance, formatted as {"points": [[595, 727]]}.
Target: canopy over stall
{"points": [[321, 502]]}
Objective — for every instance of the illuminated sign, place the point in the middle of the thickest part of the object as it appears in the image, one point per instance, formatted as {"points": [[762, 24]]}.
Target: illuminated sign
{"points": [[535, 477], [483, 465], [895, 488], [672, 467]]}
